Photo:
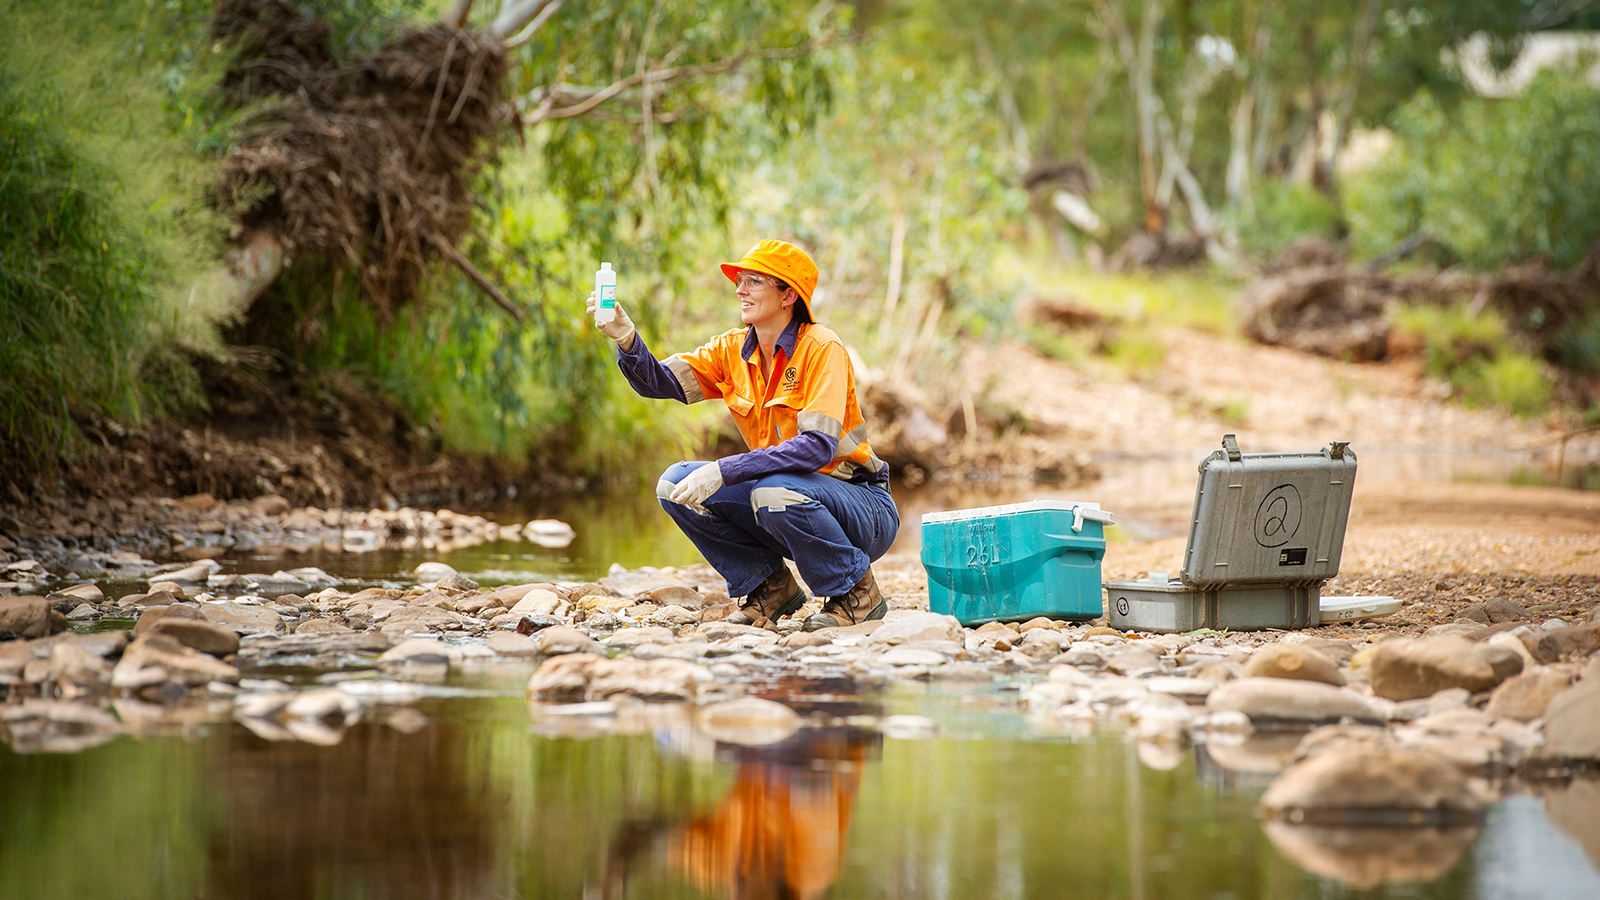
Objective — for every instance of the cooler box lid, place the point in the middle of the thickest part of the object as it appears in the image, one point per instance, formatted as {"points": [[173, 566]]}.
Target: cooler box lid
{"points": [[1080, 510]]}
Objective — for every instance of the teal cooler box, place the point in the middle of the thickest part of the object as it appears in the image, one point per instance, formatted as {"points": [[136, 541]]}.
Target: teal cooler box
{"points": [[1012, 563]]}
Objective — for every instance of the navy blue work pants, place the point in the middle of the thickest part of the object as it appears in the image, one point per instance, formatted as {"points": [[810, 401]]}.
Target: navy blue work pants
{"points": [[832, 529]]}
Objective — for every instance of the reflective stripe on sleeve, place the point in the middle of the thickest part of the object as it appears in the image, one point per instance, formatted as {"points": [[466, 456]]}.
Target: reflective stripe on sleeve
{"points": [[820, 422], [682, 371], [851, 442]]}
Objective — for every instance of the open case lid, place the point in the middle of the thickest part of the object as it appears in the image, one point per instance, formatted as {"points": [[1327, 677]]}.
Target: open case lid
{"points": [[1269, 518], [1081, 510]]}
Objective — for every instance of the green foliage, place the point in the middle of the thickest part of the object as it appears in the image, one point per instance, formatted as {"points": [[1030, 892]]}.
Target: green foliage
{"points": [[643, 180], [647, 193], [1515, 381], [1137, 309], [906, 141], [1577, 347], [102, 263], [1495, 182], [1199, 299], [71, 306], [1284, 211], [1478, 356]]}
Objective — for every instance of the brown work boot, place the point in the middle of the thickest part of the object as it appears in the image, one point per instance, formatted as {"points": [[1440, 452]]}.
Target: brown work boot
{"points": [[863, 604], [780, 595]]}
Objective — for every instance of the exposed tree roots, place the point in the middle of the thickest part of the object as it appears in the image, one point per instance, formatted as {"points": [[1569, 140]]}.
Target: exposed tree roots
{"points": [[366, 161]]}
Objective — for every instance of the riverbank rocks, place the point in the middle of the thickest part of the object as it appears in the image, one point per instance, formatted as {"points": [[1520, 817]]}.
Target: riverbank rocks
{"points": [[1525, 695], [322, 626], [1402, 669], [1291, 701], [911, 627], [416, 652], [1574, 643], [559, 640], [76, 671], [633, 637], [1293, 661], [316, 650], [243, 618], [1373, 785], [539, 602], [187, 575], [156, 659], [1572, 719], [1493, 612], [155, 615], [29, 617], [577, 677], [71, 597], [199, 635], [423, 619], [509, 643]]}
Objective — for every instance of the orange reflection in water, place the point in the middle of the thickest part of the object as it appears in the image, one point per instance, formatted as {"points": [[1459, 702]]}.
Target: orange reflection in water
{"points": [[781, 830]]}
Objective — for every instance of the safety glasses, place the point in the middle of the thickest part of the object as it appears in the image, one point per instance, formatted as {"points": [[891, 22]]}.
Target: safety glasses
{"points": [[752, 281]]}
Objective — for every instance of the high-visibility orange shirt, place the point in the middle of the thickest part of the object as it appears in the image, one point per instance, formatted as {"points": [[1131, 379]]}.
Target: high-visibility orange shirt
{"points": [[810, 389]]}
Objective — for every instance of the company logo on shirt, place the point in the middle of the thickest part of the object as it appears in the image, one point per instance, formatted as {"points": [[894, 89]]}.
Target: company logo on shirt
{"points": [[791, 376]]}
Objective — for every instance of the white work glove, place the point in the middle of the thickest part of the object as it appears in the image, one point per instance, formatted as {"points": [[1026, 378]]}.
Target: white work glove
{"points": [[697, 486], [619, 329]]}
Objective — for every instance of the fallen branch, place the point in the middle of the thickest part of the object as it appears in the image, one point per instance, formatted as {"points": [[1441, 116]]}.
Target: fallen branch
{"points": [[474, 274]]}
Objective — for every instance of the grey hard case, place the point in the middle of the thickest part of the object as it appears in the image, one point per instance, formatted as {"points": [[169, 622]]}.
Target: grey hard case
{"points": [[1269, 518], [1176, 608]]}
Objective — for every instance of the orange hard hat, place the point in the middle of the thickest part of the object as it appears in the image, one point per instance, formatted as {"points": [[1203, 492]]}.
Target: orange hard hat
{"points": [[781, 260]]}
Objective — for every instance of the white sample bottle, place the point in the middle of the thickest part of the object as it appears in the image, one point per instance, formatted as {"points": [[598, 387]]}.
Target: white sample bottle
{"points": [[605, 294]]}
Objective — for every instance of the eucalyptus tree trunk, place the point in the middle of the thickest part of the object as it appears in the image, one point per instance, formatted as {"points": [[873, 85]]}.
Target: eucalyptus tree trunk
{"points": [[1138, 58]]}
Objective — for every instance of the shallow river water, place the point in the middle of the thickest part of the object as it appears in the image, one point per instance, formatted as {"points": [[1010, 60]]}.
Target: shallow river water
{"points": [[490, 799], [473, 792]]}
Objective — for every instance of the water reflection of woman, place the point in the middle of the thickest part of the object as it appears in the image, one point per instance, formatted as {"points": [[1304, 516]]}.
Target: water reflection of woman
{"points": [[779, 833]]}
